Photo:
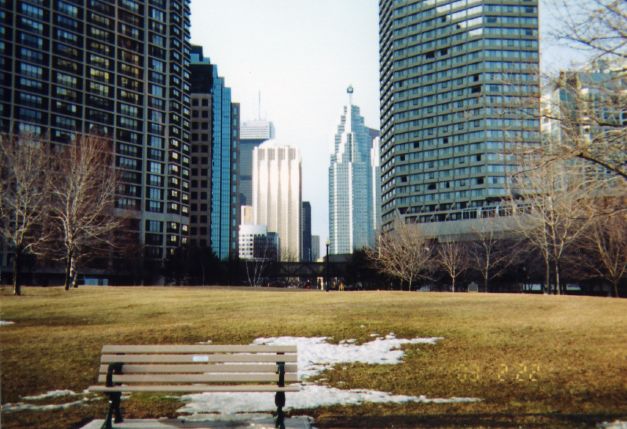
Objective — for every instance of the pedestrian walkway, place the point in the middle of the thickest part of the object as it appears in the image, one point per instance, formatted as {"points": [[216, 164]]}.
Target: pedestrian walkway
{"points": [[222, 422]]}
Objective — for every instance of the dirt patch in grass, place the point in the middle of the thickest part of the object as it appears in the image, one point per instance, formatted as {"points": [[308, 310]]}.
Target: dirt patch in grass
{"points": [[536, 361]]}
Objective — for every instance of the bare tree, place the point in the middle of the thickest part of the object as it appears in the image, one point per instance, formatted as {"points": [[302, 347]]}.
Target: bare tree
{"points": [[453, 257], [583, 118], [605, 244], [489, 253], [23, 197], [599, 26], [83, 196], [553, 213], [264, 252], [404, 253], [591, 102]]}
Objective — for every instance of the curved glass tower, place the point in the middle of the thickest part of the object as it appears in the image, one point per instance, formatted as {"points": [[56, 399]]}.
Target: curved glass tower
{"points": [[459, 90]]}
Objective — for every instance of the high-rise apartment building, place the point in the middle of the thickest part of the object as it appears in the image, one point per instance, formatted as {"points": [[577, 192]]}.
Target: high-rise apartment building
{"points": [[277, 195], [215, 146], [306, 229], [459, 91], [116, 69], [350, 184], [253, 133]]}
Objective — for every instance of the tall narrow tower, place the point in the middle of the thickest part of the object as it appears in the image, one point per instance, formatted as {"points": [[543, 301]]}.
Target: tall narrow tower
{"points": [[350, 184], [459, 90]]}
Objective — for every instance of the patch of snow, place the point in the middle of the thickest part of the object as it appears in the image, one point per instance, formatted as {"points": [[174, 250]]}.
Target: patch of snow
{"points": [[51, 394], [612, 425], [310, 396], [316, 355], [6, 323], [23, 406]]}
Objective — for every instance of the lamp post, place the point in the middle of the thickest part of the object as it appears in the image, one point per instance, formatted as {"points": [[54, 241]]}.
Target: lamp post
{"points": [[326, 269]]}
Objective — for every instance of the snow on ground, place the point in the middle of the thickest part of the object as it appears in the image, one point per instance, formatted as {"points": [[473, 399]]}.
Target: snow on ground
{"points": [[25, 406], [612, 425], [310, 396], [6, 322], [316, 355], [51, 394]]}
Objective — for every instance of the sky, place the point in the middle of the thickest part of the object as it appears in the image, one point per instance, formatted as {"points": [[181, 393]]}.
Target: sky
{"points": [[299, 56]]}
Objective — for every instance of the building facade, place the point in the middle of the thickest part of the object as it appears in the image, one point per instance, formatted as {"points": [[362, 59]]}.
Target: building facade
{"points": [[315, 248], [253, 133], [256, 243], [586, 108], [116, 69], [459, 91], [215, 146], [277, 195], [350, 184]]}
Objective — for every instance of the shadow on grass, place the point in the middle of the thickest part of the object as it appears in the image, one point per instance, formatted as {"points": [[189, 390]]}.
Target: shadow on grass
{"points": [[489, 420]]}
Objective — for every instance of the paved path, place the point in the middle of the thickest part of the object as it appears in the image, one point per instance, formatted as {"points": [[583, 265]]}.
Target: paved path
{"points": [[252, 423]]}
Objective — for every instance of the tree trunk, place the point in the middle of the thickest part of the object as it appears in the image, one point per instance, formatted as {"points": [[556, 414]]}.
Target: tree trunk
{"points": [[74, 273], [547, 276], [453, 283], [485, 284], [68, 270], [17, 280], [615, 287], [558, 285]]}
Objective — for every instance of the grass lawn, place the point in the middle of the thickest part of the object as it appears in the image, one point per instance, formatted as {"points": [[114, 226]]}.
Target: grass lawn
{"points": [[536, 361]]}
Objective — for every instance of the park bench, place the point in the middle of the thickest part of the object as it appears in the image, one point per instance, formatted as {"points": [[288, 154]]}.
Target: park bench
{"points": [[195, 369]]}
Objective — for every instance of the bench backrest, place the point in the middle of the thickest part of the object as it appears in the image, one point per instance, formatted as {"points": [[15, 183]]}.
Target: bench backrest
{"points": [[194, 364]]}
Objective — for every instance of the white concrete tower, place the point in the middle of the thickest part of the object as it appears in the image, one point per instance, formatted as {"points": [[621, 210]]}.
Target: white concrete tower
{"points": [[277, 194]]}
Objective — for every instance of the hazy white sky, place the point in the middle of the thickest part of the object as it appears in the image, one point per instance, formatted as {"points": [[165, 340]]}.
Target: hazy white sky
{"points": [[302, 55]]}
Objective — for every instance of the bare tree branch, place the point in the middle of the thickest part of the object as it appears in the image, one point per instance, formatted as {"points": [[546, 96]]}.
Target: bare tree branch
{"points": [[24, 197]]}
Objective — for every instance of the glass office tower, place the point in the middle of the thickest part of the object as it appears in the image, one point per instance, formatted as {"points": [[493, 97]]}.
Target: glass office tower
{"points": [[215, 159], [113, 68], [459, 90], [351, 212]]}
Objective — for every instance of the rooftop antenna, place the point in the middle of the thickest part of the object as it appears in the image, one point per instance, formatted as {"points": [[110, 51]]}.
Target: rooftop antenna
{"points": [[350, 91]]}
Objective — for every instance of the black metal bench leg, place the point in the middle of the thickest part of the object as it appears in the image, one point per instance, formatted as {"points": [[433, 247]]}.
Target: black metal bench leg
{"points": [[114, 410], [279, 400], [116, 399]]}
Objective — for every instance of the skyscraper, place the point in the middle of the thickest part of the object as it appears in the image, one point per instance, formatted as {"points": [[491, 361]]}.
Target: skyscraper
{"points": [[306, 229], [117, 69], [350, 184], [459, 90], [215, 138], [253, 133], [277, 195]]}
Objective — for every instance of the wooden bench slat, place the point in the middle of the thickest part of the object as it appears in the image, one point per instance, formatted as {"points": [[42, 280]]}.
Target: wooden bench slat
{"points": [[200, 358], [194, 388], [200, 368], [197, 349], [198, 378]]}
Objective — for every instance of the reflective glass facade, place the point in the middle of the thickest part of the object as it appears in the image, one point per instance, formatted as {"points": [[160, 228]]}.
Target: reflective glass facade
{"points": [[215, 160], [114, 68], [459, 91], [351, 212]]}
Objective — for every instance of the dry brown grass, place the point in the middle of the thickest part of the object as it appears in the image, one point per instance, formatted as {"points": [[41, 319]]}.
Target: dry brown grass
{"points": [[537, 361]]}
